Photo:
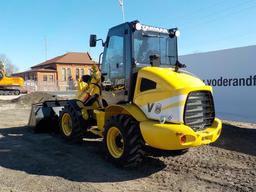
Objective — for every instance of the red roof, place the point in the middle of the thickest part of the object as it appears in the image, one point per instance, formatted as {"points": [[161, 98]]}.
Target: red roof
{"points": [[37, 70], [69, 58]]}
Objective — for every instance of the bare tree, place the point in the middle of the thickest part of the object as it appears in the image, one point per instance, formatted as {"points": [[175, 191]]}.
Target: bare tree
{"points": [[9, 67]]}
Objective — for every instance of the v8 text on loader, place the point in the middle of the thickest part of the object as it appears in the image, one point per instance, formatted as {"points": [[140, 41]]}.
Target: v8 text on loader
{"points": [[148, 99]]}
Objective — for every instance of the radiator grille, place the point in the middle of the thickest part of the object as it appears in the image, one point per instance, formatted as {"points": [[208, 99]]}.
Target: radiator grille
{"points": [[199, 110]]}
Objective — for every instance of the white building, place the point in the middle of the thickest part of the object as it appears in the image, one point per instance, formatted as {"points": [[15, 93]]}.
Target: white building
{"points": [[232, 74]]}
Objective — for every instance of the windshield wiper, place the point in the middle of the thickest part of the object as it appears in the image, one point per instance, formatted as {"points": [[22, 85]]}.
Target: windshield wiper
{"points": [[177, 64]]}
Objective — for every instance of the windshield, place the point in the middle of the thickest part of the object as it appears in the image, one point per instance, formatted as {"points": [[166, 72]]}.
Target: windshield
{"points": [[150, 43]]}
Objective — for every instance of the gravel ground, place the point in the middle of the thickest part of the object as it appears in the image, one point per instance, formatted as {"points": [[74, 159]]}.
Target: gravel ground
{"points": [[9, 97], [44, 162]]}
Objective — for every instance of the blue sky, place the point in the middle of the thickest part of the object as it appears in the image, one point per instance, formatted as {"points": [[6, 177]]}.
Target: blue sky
{"points": [[205, 25]]}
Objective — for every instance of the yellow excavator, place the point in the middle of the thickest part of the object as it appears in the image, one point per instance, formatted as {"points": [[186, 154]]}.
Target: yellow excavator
{"points": [[149, 100], [9, 85]]}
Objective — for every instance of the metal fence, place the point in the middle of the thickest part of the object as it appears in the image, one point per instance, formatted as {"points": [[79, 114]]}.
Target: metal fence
{"points": [[49, 86]]}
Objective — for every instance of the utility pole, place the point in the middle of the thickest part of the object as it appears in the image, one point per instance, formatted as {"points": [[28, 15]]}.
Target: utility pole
{"points": [[46, 48], [121, 3]]}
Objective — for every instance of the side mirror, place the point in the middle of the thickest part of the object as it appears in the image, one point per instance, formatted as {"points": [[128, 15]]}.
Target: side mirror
{"points": [[174, 32], [86, 78], [93, 40]]}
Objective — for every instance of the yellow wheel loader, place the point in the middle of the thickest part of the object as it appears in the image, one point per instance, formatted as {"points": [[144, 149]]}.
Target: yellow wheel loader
{"points": [[9, 85], [148, 99]]}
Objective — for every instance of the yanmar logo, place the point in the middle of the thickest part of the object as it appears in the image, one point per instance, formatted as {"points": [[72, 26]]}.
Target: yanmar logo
{"points": [[235, 82], [154, 29]]}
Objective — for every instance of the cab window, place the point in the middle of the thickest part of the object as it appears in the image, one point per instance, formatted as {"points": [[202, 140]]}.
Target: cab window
{"points": [[114, 61]]}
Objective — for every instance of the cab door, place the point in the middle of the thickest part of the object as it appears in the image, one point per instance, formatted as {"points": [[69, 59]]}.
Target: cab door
{"points": [[113, 65]]}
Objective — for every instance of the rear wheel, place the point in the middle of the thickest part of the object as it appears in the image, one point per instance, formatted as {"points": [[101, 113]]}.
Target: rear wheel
{"points": [[72, 124], [123, 141]]}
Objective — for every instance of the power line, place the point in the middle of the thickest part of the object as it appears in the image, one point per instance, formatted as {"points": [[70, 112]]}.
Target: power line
{"points": [[198, 11], [229, 39], [225, 16], [227, 11]]}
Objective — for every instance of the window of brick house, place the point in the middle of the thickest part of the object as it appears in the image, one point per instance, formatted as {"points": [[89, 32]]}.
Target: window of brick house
{"points": [[45, 78], [51, 78], [64, 74], [69, 74], [82, 72], [77, 73]]}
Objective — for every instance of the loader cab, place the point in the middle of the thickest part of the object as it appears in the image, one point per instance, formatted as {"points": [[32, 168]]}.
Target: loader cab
{"points": [[129, 47], [116, 64]]}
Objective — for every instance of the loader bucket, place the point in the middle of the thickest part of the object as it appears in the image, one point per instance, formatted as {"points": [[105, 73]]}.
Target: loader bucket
{"points": [[44, 117]]}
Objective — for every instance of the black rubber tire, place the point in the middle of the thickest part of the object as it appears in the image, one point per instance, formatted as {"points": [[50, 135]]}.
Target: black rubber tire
{"points": [[164, 153], [133, 142], [16, 92], [180, 152], [79, 125]]}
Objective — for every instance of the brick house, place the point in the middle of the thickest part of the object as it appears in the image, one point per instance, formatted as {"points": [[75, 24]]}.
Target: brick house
{"points": [[59, 73]]}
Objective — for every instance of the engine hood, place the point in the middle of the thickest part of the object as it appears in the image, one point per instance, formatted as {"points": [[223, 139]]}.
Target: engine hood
{"points": [[176, 80], [162, 92]]}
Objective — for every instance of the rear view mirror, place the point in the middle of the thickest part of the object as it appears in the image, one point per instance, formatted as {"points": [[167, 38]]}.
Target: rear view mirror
{"points": [[93, 40]]}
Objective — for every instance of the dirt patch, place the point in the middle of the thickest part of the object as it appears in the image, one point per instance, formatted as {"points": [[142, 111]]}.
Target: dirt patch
{"points": [[44, 162], [241, 124], [33, 98]]}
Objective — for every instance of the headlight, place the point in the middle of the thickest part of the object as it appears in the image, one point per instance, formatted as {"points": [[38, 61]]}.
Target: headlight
{"points": [[177, 33], [138, 26]]}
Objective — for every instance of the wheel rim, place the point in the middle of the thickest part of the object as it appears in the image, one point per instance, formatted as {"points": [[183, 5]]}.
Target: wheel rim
{"points": [[66, 124], [115, 142]]}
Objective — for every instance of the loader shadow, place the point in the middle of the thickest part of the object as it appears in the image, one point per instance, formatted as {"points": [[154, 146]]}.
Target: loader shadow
{"points": [[237, 139], [46, 154]]}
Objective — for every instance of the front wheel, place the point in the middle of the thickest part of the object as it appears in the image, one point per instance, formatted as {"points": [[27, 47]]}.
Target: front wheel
{"points": [[72, 124], [123, 141]]}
